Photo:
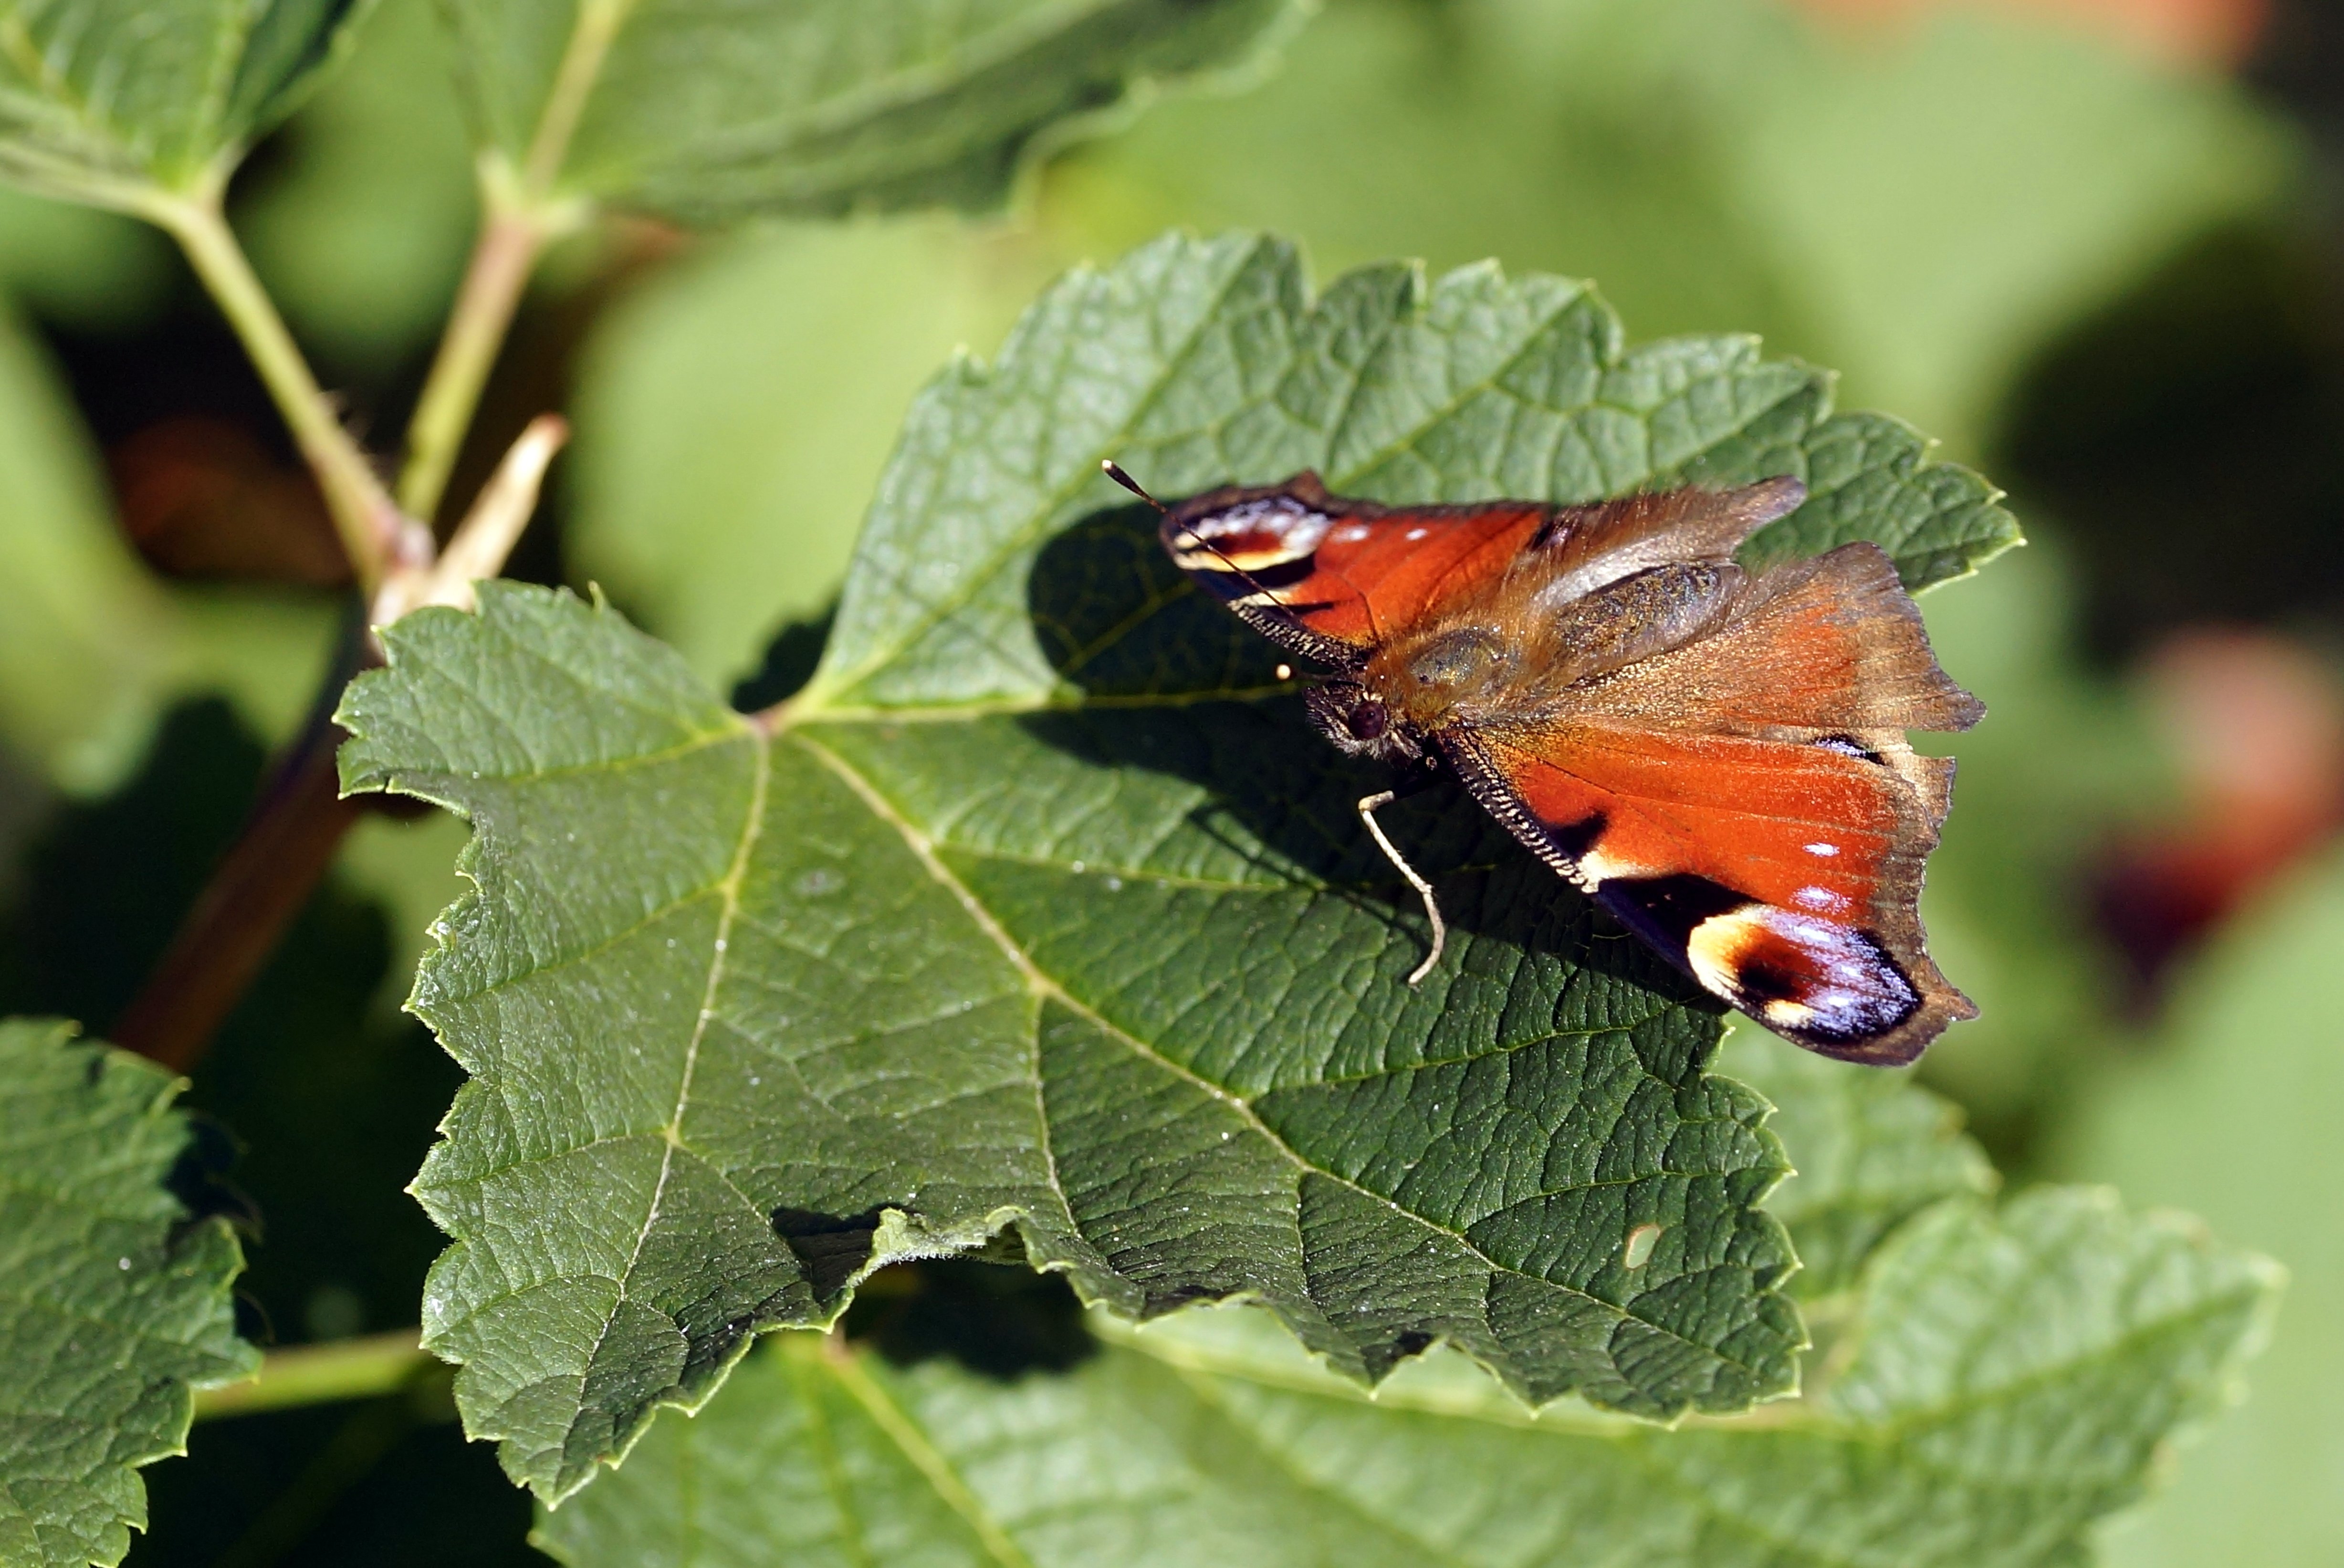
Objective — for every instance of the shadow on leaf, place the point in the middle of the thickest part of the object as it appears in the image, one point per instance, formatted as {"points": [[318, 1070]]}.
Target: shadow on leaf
{"points": [[1120, 621]]}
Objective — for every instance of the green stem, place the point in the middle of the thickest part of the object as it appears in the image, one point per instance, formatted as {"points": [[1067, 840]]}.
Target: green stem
{"points": [[321, 1374], [513, 231], [520, 216], [363, 514]]}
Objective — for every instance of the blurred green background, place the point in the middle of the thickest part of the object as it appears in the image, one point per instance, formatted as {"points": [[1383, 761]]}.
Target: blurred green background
{"points": [[2095, 248]]}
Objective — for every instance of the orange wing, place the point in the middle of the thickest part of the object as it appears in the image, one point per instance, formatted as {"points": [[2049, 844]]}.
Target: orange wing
{"points": [[1784, 876], [1333, 579]]}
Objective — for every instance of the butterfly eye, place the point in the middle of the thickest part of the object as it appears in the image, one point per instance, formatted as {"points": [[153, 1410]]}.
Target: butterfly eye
{"points": [[1369, 720]]}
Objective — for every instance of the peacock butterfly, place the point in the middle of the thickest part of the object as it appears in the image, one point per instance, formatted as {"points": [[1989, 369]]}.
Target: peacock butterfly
{"points": [[1716, 757]]}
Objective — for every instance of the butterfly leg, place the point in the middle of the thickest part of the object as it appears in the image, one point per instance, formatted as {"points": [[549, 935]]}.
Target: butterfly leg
{"points": [[1369, 805]]}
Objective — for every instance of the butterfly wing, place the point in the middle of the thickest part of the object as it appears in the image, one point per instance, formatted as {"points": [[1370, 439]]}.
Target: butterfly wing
{"points": [[1332, 579], [1785, 877], [1748, 804], [1832, 646]]}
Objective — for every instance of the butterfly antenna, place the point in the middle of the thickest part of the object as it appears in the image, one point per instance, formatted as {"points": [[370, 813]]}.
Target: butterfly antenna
{"points": [[1114, 470], [1367, 808]]}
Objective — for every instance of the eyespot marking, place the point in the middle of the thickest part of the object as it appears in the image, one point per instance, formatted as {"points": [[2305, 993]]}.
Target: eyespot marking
{"points": [[1251, 536], [1797, 972]]}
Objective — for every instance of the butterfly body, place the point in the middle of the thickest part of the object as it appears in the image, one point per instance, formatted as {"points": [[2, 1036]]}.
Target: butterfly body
{"points": [[1716, 755]]}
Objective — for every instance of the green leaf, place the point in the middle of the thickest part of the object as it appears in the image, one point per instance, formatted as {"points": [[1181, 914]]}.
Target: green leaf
{"points": [[2231, 1109], [1870, 1149], [1043, 908], [2013, 1381], [102, 99], [79, 266], [114, 1304], [1918, 207], [813, 107]]}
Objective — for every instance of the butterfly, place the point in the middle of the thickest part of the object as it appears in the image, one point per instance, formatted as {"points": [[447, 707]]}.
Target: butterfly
{"points": [[1716, 757]]}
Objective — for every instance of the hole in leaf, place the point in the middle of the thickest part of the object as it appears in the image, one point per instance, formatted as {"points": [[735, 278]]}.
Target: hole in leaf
{"points": [[997, 1322]]}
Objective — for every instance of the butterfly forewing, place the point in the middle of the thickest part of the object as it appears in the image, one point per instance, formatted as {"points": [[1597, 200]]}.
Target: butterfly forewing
{"points": [[1333, 579]]}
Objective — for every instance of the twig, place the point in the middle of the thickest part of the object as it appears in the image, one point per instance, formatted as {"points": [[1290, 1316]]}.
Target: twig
{"points": [[485, 539], [372, 529], [267, 875], [513, 232], [321, 1374]]}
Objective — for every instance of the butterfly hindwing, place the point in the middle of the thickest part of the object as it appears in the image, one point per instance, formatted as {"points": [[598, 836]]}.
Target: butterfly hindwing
{"points": [[1784, 877]]}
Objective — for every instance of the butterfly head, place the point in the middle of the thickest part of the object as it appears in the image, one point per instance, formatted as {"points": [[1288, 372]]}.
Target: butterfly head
{"points": [[1361, 723]]}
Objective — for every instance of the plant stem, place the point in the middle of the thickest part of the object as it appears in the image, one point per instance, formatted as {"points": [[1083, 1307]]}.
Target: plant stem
{"points": [[512, 233], [321, 1374], [259, 885], [519, 215], [363, 514]]}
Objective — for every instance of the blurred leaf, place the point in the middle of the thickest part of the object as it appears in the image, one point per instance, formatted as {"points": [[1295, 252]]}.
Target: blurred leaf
{"points": [[1915, 206], [91, 645], [117, 1303], [78, 615], [409, 868], [1869, 1151], [1497, 130], [2013, 1382], [360, 222], [733, 413], [1947, 201], [817, 107], [1714, 163], [2233, 1116], [877, 989], [2061, 754], [102, 99], [79, 265]]}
